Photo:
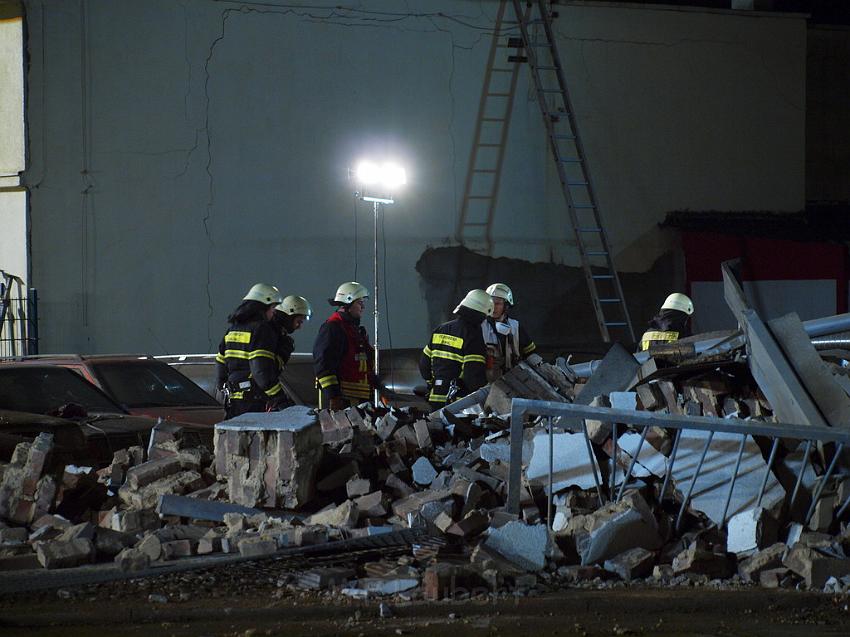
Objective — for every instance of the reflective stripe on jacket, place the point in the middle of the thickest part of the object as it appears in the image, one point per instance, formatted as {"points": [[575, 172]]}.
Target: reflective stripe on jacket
{"points": [[343, 358], [248, 360], [456, 352], [657, 336]]}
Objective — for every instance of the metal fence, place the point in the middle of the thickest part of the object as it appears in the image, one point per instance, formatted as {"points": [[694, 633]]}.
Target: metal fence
{"points": [[18, 317], [571, 417]]}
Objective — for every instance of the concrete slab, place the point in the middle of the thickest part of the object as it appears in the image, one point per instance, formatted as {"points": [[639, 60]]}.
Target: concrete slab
{"points": [[571, 463], [826, 392], [524, 545], [293, 418]]}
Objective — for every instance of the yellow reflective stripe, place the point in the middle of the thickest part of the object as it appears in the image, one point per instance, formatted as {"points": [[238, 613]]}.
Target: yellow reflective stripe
{"points": [[438, 398], [448, 355], [358, 390], [237, 337], [665, 336], [474, 358], [446, 339], [219, 358], [529, 348], [327, 381], [272, 391], [235, 353], [236, 395], [427, 351], [262, 353]]}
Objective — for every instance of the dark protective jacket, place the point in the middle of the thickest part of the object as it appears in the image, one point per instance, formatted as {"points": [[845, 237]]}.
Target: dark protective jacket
{"points": [[343, 359], [249, 360], [665, 327], [456, 352]]}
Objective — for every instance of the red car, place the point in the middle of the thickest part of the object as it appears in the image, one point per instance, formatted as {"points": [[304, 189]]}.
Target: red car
{"points": [[141, 385]]}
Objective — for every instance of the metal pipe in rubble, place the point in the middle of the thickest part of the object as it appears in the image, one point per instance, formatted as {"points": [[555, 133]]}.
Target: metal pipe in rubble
{"points": [[831, 343], [814, 328]]}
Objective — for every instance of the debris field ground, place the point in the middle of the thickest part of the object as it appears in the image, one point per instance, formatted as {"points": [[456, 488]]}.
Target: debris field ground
{"points": [[378, 520]]}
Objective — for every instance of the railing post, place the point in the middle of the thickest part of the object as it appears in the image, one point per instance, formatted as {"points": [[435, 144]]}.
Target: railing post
{"points": [[32, 322]]}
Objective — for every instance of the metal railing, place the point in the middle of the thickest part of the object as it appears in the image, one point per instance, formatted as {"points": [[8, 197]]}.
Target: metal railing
{"points": [[571, 417], [18, 317]]}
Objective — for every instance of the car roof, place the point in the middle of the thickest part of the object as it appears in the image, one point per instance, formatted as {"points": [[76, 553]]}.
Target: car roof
{"points": [[76, 358]]}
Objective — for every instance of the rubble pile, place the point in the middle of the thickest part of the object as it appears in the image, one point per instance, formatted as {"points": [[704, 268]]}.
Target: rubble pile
{"points": [[298, 478]]}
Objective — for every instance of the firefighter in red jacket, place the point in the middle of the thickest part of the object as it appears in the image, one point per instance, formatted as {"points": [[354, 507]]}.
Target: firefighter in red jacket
{"points": [[454, 360], [342, 355]]}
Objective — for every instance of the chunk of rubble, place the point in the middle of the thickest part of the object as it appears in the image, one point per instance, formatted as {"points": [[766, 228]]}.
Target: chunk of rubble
{"points": [[751, 530], [814, 567], [269, 459], [615, 529], [699, 560], [632, 564], [770, 558], [65, 553], [525, 545], [343, 515]]}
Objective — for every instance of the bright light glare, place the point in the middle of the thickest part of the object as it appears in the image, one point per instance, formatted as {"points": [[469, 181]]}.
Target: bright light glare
{"points": [[388, 174], [368, 173], [393, 175]]}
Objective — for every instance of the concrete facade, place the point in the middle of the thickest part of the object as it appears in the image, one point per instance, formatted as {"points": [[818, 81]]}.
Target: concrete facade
{"points": [[182, 151]]}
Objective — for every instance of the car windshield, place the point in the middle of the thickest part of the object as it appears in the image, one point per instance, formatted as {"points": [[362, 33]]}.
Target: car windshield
{"points": [[41, 390], [139, 384]]}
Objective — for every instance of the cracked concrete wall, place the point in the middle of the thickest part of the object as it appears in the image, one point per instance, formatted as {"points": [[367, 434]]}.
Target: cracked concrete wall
{"points": [[180, 152]]}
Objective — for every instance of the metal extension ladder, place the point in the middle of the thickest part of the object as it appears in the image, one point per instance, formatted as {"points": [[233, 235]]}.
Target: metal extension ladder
{"points": [[571, 162], [475, 224]]}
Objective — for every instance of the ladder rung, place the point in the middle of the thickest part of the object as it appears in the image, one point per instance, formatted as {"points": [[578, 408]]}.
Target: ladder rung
{"points": [[517, 58], [563, 136], [570, 160], [546, 68], [575, 183], [610, 300], [602, 276], [557, 115], [597, 253], [590, 229], [501, 70], [615, 324], [584, 206]]}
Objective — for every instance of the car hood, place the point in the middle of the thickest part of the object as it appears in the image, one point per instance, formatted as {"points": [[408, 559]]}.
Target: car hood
{"points": [[195, 415]]}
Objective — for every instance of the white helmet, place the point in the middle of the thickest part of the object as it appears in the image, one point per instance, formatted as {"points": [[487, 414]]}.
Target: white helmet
{"points": [[477, 300], [292, 305], [264, 293], [678, 301], [350, 292], [502, 291]]}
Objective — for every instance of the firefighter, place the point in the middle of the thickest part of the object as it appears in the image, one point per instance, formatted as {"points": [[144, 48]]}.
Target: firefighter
{"points": [[454, 360], [671, 323], [248, 364], [342, 355], [506, 340], [289, 316]]}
